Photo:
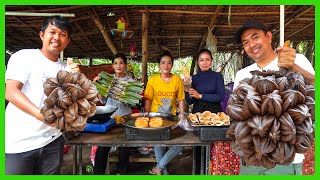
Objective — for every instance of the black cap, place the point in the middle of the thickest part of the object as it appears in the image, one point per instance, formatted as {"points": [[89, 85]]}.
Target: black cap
{"points": [[247, 25]]}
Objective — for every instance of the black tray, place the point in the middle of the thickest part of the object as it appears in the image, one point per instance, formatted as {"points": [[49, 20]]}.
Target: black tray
{"points": [[147, 135], [212, 133]]}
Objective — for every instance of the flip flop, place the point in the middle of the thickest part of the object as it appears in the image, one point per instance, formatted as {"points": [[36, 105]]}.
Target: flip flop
{"points": [[151, 172]]}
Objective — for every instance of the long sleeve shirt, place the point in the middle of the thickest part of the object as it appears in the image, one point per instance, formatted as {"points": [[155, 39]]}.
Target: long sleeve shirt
{"points": [[208, 83]]}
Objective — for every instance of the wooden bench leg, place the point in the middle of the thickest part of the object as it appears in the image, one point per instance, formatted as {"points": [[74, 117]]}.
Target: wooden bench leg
{"points": [[108, 165]]}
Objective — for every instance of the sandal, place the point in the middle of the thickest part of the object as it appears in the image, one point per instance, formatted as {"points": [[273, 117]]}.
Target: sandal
{"points": [[151, 172], [155, 171]]}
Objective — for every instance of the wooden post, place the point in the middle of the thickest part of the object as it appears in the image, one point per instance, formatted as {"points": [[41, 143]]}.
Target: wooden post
{"points": [[238, 63], [309, 53], [144, 48], [90, 62], [193, 65], [105, 36]]}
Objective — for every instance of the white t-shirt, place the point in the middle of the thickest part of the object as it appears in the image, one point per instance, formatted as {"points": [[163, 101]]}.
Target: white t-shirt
{"points": [[24, 132], [300, 60]]}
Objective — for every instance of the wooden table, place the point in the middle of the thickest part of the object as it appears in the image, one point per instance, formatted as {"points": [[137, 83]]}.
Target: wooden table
{"points": [[116, 137]]}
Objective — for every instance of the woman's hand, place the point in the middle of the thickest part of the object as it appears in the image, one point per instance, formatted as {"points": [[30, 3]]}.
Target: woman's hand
{"points": [[193, 93], [187, 83]]}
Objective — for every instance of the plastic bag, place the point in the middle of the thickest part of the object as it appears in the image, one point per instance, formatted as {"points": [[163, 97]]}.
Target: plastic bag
{"points": [[183, 123]]}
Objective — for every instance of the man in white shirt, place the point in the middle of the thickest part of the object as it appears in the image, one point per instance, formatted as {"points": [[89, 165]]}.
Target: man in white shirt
{"points": [[31, 145], [256, 41]]}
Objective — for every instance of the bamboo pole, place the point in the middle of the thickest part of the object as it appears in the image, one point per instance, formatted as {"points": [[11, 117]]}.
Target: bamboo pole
{"points": [[144, 47], [61, 55], [208, 13], [38, 14], [106, 36], [281, 25]]}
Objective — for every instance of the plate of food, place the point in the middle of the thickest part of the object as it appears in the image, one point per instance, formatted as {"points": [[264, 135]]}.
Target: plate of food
{"points": [[208, 119], [149, 121]]}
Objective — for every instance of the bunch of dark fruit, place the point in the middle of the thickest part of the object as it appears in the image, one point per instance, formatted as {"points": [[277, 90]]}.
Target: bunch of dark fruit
{"points": [[71, 99], [272, 118]]}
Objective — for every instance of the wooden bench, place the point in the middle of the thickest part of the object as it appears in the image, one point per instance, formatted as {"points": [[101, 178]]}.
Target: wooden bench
{"points": [[134, 157]]}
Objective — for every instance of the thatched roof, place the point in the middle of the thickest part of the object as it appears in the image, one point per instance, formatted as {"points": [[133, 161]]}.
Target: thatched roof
{"points": [[180, 29]]}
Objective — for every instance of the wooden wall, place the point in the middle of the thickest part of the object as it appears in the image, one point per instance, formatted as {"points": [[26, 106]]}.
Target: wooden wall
{"points": [[93, 71]]}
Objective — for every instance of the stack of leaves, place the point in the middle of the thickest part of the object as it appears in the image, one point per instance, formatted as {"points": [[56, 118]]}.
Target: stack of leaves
{"points": [[71, 99], [272, 118], [123, 91]]}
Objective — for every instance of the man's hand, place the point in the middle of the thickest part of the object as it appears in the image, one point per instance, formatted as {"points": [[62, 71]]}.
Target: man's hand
{"points": [[40, 117], [286, 56], [71, 66], [95, 79]]}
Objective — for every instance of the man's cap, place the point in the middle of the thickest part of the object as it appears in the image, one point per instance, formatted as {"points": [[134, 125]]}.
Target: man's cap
{"points": [[247, 25]]}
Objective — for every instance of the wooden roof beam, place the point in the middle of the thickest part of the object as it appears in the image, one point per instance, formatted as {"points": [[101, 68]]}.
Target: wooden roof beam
{"points": [[86, 37], [32, 30], [104, 33], [160, 47], [180, 36], [37, 14], [215, 16], [129, 24], [182, 20], [37, 33], [293, 17], [16, 41], [167, 26], [63, 9], [156, 35], [210, 27], [127, 17], [77, 46], [211, 13], [301, 29]]}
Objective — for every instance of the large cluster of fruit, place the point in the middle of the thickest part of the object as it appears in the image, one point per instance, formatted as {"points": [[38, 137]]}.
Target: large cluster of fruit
{"points": [[272, 118], [71, 99]]}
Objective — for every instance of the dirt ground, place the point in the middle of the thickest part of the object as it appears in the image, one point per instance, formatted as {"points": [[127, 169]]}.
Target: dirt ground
{"points": [[181, 165]]}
